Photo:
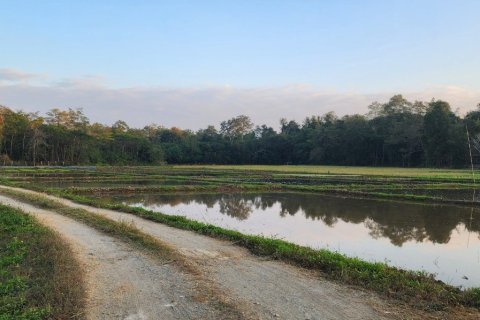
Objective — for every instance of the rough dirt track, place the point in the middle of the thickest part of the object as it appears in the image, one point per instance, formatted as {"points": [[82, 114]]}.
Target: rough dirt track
{"points": [[262, 289], [123, 283]]}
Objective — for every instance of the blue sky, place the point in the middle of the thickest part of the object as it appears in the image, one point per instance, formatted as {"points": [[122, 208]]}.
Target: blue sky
{"points": [[364, 49]]}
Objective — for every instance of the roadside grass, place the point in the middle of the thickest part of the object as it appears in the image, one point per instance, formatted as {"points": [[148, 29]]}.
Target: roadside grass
{"points": [[130, 234], [416, 288], [39, 277]]}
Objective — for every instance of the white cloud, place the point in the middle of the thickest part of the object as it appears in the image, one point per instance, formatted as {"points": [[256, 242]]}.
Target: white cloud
{"points": [[84, 83], [14, 75], [195, 108]]}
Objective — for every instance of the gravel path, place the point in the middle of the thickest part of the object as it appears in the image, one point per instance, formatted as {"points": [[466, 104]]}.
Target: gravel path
{"points": [[122, 282]]}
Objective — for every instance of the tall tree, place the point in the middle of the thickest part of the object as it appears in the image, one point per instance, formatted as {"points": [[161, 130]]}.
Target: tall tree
{"points": [[236, 127], [444, 137]]}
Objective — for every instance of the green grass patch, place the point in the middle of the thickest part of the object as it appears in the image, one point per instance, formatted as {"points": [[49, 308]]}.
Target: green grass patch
{"points": [[39, 278]]}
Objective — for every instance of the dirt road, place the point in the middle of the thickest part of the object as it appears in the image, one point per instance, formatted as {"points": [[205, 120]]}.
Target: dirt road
{"points": [[142, 289], [123, 283]]}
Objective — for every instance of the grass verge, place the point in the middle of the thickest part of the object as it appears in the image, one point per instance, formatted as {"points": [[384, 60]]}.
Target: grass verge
{"points": [[416, 288], [39, 277]]}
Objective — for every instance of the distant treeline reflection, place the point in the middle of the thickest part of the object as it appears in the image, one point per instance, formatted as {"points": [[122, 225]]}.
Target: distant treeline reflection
{"points": [[399, 222]]}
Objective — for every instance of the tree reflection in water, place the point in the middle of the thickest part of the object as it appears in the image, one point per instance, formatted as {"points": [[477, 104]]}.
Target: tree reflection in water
{"points": [[399, 222], [235, 206]]}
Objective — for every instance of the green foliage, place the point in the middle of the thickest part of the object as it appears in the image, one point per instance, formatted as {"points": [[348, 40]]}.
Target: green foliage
{"points": [[236, 127], [396, 133], [445, 137]]}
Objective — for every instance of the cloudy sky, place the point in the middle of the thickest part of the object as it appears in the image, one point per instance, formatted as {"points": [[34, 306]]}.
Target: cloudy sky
{"points": [[194, 63]]}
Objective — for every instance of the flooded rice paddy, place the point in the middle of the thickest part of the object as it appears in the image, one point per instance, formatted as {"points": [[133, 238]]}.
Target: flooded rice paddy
{"points": [[439, 239]]}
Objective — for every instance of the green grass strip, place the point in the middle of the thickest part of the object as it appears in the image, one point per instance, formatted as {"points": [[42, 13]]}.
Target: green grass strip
{"points": [[39, 278]]}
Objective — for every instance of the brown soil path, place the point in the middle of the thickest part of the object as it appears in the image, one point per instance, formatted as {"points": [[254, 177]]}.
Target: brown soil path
{"points": [[122, 282]]}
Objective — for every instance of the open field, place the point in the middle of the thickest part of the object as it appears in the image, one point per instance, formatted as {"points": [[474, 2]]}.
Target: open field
{"points": [[431, 185], [420, 193], [247, 160], [424, 173], [99, 186]]}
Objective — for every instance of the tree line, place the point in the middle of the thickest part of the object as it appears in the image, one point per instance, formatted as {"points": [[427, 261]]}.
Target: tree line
{"points": [[395, 133]]}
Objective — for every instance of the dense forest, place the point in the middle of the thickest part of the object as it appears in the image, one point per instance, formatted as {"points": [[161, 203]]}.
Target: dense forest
{"points": [[395, 133]]}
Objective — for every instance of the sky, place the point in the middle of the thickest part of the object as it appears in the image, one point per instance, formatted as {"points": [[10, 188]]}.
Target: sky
{"points": [[194, 63]]}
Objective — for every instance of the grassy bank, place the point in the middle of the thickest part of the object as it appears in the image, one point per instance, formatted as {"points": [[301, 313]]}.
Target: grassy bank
{"points": [[39, 278], [417, 288]]}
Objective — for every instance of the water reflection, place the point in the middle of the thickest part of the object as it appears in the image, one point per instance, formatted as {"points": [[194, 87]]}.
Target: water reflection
{"points": [[399, 222], [441, 239]]}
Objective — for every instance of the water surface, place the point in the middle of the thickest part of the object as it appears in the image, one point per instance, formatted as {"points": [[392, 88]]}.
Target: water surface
{"points": [[441, 239]]}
